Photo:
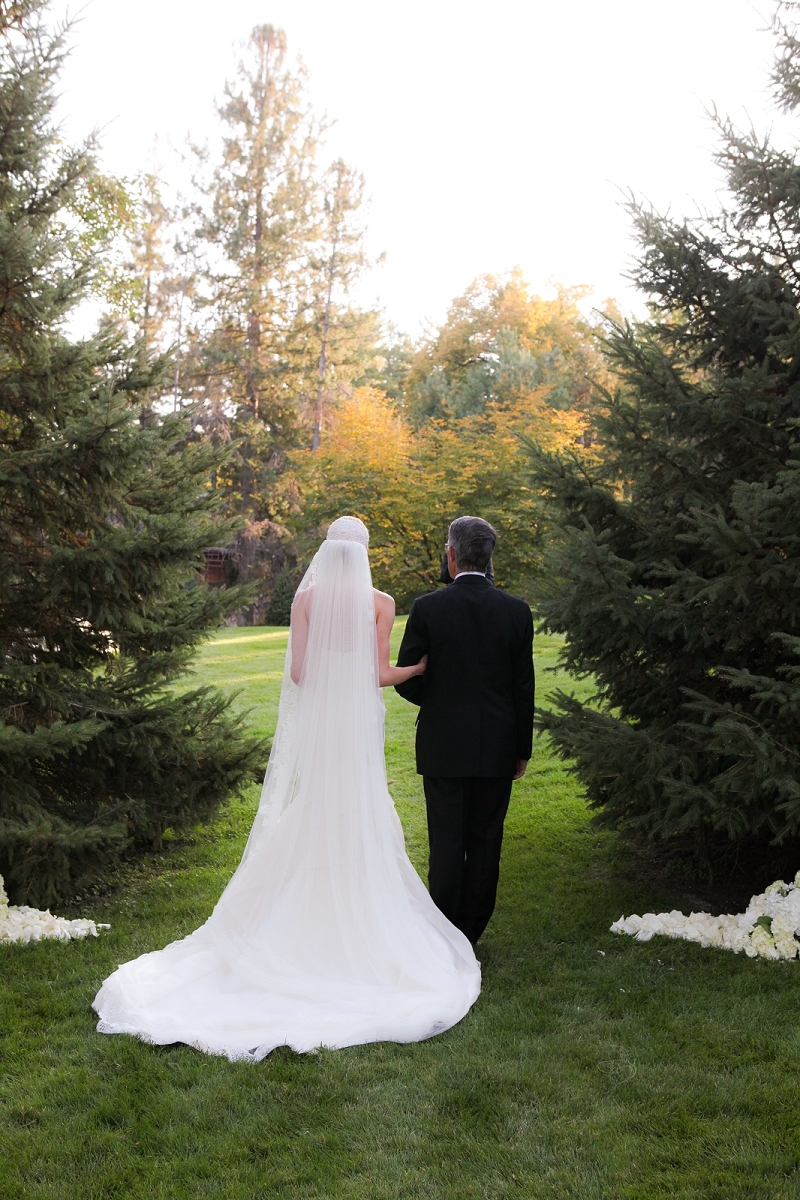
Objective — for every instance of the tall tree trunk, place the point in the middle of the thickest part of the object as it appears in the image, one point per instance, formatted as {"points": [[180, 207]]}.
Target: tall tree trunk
{"points": [[326, 326]]}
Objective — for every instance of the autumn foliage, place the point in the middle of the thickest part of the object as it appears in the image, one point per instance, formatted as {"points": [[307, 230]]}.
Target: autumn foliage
{"points": [[408, 484]]}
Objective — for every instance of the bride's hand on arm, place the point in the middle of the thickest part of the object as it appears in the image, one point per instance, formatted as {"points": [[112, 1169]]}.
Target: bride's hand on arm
{"points": [[384, 620], [401, 674]]}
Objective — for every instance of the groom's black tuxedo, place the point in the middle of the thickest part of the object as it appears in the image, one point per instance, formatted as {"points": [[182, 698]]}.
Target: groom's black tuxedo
{"points": [[476, 696], [475, 722]]}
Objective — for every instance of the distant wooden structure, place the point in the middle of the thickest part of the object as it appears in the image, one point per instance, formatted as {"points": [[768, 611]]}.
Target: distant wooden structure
{"points": [[216, 557]]}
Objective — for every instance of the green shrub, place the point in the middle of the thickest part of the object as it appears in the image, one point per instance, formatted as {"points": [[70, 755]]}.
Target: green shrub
{"points": [[279, 609]]}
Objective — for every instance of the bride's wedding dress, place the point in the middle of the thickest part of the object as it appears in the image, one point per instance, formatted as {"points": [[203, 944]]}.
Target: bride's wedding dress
{"points": [[325, 935]]}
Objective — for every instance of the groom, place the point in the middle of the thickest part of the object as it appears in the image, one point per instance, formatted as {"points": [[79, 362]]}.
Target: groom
{"points": [[475, 723]]}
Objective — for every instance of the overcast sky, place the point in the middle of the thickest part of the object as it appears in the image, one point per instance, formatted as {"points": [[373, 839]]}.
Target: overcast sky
{"points": [[489, 133]]}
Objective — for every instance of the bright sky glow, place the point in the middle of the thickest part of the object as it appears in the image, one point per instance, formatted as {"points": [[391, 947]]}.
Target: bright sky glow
{"points": [[490, 134]]}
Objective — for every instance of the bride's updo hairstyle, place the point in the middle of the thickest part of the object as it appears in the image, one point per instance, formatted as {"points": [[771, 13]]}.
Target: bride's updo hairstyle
{"points": [[341, 612], [348, 529]]}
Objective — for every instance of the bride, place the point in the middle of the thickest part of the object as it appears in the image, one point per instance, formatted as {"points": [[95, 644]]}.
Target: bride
{"points": [[325, 935]]}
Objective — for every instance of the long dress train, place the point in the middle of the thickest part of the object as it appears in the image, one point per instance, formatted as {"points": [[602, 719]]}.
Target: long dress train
{"points": [[325, 935]]}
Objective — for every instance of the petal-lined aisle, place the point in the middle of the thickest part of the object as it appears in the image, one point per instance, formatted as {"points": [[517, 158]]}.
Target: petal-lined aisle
{"points": [[769, 928], [19, 923]]}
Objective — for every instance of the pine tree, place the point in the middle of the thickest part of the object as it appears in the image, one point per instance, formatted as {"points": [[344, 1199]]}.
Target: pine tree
{"points": [[676, 578], [153, 287], [103, 521], [282, 243], [279, 609], [342, 261], [247, 339], [147, 268], [272, 341], [258, 230], [14, 12]]}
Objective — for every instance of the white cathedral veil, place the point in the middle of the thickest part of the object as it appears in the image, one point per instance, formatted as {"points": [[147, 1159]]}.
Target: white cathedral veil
{"points": [[325, 934]]}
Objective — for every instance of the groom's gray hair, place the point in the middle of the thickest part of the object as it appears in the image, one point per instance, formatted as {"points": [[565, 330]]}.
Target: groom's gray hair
{"points": [[472, 540]]}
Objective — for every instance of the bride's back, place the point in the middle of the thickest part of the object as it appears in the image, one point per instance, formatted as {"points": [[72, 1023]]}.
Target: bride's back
{"points": [[334, 611]]}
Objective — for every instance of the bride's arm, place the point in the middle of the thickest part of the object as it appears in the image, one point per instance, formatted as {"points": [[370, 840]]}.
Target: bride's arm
{"points": [[384, 620], [299, 629]]}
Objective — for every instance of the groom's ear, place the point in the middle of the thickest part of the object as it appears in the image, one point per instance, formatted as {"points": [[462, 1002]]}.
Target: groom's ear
{"points": [[452, 565]]}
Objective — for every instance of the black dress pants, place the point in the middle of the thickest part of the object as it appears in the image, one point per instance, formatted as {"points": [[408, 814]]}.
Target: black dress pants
{"points": [[465, 832]]}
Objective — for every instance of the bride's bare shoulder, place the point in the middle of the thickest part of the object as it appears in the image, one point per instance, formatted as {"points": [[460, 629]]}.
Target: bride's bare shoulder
{"points": [[302, 600], [384, 603]]}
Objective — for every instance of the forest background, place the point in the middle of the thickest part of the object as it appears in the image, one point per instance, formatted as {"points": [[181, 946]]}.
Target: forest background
{"points": [[325, 407], [172, 465], [177, 466], [641, 475]]}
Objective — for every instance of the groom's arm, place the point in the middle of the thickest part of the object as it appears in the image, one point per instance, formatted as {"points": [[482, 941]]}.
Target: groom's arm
{"points": [[524, 689], [412, 648]]}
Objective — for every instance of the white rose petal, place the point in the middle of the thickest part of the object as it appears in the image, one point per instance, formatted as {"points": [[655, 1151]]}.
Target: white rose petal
{"points": [[20, 923], [731, 931]]}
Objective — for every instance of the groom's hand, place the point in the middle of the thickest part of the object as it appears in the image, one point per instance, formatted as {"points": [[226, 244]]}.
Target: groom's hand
{"points": [[522, 764]]}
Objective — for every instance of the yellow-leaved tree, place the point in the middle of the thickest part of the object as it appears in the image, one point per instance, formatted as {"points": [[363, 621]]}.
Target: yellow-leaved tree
{"points": [[408, 484]]}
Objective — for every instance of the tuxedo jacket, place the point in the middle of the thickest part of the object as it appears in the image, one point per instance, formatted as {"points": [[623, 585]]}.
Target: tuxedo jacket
{"points": [[476, 696]]}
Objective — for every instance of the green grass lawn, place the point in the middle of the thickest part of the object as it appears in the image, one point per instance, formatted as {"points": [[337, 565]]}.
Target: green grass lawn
{"points": [[591, 1066]]}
